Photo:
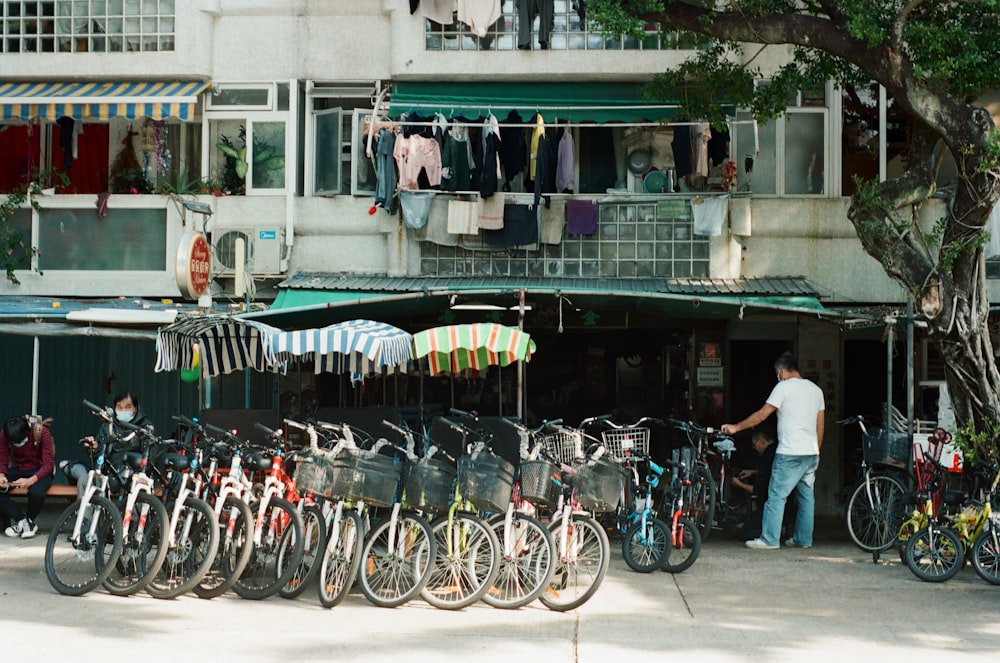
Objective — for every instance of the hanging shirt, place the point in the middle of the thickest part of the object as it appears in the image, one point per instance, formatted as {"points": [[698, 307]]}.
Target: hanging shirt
{"points": [[565, 164], [700, 135], [439, 11], [536, 134], [457, 159], [479, 14]]}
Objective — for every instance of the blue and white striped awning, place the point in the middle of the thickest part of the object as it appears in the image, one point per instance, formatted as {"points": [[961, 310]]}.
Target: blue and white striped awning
{"points": [[361, 347], [100, 100], [226, 344]]}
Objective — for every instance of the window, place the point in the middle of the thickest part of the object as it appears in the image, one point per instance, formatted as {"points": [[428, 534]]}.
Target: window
{"points": [[79, 26], [248, 137], [790, 158], [336, 120], [863, 110], [568, 32], [137, 240]]}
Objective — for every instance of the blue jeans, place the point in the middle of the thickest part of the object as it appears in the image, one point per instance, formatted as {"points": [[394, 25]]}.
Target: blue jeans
{"points": [[791, 474]]}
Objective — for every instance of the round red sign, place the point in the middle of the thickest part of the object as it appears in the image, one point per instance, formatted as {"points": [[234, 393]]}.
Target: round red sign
{"points": [[194, 265]]}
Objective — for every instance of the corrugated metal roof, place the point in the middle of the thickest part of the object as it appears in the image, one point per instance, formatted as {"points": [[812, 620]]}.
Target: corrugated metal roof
{"points": [[390, 284]]}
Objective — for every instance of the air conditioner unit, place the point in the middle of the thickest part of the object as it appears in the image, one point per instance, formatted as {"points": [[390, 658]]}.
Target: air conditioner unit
{"points": [[263, 250]]}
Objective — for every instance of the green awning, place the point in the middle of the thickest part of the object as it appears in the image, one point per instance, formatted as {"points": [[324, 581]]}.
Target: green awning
{"points": [[571, 102]]}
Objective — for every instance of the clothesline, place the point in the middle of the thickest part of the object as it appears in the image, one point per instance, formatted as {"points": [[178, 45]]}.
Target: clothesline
{"points": [[623, 125]]}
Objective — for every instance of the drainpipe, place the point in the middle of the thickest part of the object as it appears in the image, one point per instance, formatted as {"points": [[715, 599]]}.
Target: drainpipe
{"points": [[291, 157]]}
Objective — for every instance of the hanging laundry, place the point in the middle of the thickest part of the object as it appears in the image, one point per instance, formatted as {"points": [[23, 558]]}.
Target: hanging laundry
{"points": [[718, 146], [479, 14], [581, 217], [488, 176], [551, 225], [439, 11], [700, 135], [526, 12], [513, 149], [520, 227], [436, 230], [416, 207], [386, 175], [463, 217], [566, 164], [457, 160], [709, 215], [416, 154], [681, 148], [491, 213], [544, 166]]}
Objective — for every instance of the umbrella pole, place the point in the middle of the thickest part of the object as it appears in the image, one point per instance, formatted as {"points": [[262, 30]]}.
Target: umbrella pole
{"points": [[520, 364], [420, 410], [499, 391]]}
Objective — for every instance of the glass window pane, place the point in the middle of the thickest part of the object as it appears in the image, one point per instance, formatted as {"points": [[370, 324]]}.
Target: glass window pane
{"points": [[224, 168], [241, 97], [20, 222], [137, 240], [268, 153], [805, 157], [755, 173], [327, 153], [859, 140]]}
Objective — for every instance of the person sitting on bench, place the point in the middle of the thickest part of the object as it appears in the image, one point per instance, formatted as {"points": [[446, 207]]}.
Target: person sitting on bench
{"points": [[24, 463]]}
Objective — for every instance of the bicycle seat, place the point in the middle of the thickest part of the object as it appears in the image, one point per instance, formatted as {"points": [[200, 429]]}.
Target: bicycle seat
{"points": [[955, 497], [256, 461], [132, 459], [220, 452], [175, 461]]}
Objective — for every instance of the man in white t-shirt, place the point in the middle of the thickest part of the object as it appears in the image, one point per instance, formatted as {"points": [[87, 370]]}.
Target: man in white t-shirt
{"points": [[801, 408]]}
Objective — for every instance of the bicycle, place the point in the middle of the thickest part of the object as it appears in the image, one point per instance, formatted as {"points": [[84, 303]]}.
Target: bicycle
{"points": [[685, 535], [86, 540], [700, 498], [277, 532], [876, 507], [467, 551]]}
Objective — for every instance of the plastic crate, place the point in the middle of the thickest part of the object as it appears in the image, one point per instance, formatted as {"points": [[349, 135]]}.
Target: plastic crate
{"points": [[486, 480], [622, 443], [599, 485], [537, 485], [884, 447], [314, 474], [366, 477], [565, 446], [430, 485]]}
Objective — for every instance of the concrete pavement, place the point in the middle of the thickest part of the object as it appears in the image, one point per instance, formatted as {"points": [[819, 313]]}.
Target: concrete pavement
{"points": [[829, 603]]}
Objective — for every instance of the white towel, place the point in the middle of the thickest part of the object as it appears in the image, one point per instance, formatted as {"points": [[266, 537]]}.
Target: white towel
{"points": [[463, 217], [709, 215]]}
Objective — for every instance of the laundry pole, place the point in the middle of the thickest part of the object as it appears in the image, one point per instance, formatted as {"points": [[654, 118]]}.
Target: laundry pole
{"points": [[34, 374]]}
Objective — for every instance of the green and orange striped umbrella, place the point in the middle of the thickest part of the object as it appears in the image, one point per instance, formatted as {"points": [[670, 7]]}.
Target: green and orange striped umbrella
{"points": [[455, 348]]}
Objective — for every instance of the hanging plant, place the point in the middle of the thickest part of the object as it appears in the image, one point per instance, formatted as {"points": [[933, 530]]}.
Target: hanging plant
{"points": [[16, 251]]}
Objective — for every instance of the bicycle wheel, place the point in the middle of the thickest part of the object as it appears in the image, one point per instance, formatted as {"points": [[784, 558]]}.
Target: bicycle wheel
{"points": [[190, 554], [525, 568], [395, 560], [934, 554], [875, 511], [684, 551], [281, 538], [233, 554], [645, 545], [579, 572], [143, 547], [314, 540], [986, 556], [341, 557], [465, 563], [699, 500], [75, 565]]}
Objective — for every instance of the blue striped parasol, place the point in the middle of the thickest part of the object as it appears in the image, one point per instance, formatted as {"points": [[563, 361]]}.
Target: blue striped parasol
{"points": [[226, 344], [363, 347]]}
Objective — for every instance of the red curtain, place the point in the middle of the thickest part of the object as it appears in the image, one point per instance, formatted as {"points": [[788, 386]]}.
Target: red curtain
{"points": [[88, 172], [19, 152]]}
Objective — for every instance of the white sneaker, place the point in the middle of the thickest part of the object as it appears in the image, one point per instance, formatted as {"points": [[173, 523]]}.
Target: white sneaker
{"points": [[758, 544], [15, 530], [792, 543], [28, 528]]}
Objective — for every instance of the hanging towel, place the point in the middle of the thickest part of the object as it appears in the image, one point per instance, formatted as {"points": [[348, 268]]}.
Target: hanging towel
{"points": [[551, 225], [462, 217], [581, 217], [439, 11], [491, 213], [520, 227], [709, 215], [436, 229], [739, 216], [479, 14], [416, 207]]}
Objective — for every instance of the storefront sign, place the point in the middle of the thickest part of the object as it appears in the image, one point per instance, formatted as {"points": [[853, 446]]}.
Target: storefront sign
{"points": [[710, 376], [194, 265]]}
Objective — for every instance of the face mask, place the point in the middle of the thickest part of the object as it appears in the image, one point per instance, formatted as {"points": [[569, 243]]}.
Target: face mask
{"points": [[21, 443], [125, 415]]}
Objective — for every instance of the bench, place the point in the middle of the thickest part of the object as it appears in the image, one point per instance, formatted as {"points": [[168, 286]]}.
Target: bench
{"points": [[61, 490]]}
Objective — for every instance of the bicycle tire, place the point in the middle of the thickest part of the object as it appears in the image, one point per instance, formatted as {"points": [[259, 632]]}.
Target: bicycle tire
{"points": [[985, 556], [465, 563], [682, 557], [233, 554], [192, 553], [396, 559], [339, 562], [526, 570], [934, 554], [579, 575], [314, 541], [699, 500], [75, 568], [143, 547], [282, 527], [875, 512], [645, 545]]}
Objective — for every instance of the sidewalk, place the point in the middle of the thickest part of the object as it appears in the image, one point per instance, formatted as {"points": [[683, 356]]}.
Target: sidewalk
{"points": [[829, 603]]}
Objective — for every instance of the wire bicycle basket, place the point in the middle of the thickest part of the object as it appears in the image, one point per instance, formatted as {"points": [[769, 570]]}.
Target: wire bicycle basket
{"points": [[486, 480], [366, 477], [622, 443], [599, 485], [565, 445], [430, 485], [885, 447], [537, 484]]}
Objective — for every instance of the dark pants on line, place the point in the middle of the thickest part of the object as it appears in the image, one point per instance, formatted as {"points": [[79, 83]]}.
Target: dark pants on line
{"points": [[526, 10], [36, 498]]}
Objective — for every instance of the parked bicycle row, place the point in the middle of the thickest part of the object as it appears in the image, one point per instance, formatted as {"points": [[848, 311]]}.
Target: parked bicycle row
{"points": [[903, 501], [211, 512]]}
